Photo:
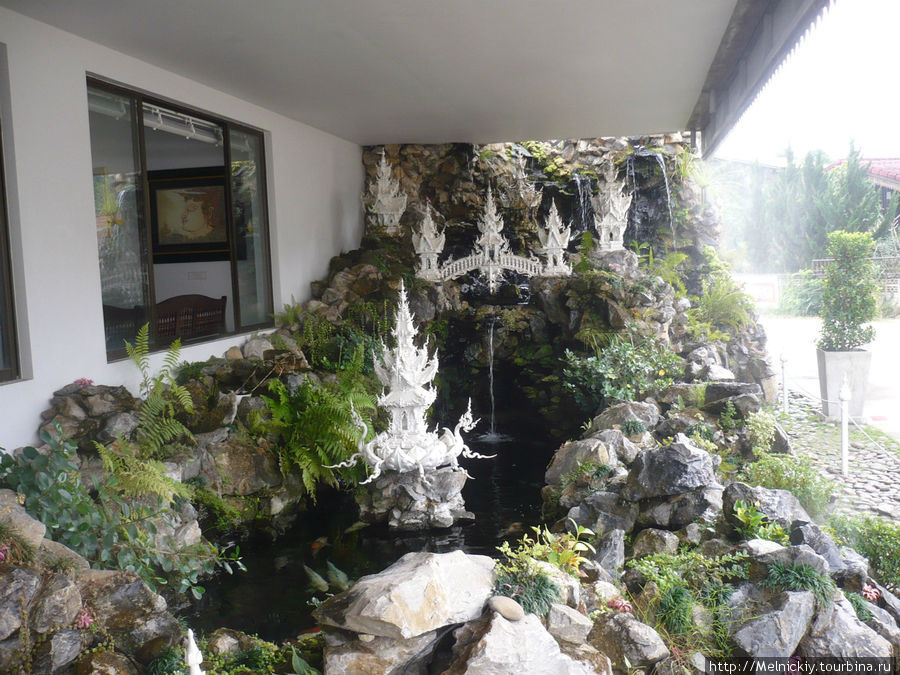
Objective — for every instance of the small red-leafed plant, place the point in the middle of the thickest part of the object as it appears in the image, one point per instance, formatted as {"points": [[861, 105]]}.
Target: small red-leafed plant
{"points": [[620, 605]]}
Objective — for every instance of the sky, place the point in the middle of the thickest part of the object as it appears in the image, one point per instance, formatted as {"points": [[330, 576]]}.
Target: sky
{"points": [[839, 85]]}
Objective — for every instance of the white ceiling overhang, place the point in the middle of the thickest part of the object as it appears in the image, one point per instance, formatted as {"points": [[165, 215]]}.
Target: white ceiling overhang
{"points": [[428, 71]]}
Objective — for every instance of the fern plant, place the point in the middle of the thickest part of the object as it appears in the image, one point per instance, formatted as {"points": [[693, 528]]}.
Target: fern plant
{"points": [[163, 398], [136, 476], [317, 431]]}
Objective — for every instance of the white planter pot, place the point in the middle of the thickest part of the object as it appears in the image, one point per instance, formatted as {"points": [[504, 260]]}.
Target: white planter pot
{"points": [[832, 368]]}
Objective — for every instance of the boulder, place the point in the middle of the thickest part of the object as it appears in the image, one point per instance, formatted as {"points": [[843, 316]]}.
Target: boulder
{"points": [[105, 663], [573, 454], [670, 470], [16, 517], [625, 449], [651, 541], [57, 651], [408, 501], [419, 593], [646, 413], [599, 663], [682, 510], [688, 394], [500, 647], [819, 541], [744, 404], [883, 624], [238, 468], [781, 444], [18, 588], [603, 512], [764, 623], [779, 506], [256, 348], [786, 555], [53, 554], [717, 373], [57, 605], [837, 633], [718, 391], [569, 586], [853, 574], [621, 636], [610, 552], [567, 624]]}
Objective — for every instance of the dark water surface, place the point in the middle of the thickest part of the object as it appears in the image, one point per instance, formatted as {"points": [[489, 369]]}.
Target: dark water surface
{"points": [[272, 598]]}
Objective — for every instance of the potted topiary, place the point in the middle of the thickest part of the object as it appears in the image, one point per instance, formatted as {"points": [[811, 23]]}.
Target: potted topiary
{"points": [[849, 301]]}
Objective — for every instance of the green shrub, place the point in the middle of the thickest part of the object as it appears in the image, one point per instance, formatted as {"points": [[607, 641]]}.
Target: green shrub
{"points": [[850, 299], [628, 367], [876, 539], [673, 609], [801, 577], [802, 296], [529, 586], [860, 606], [107, 530], [755, 525], [797, 474], [633, 427], [727, 421], [589, 470], [561, 550], [761, 431], [691, 569]]}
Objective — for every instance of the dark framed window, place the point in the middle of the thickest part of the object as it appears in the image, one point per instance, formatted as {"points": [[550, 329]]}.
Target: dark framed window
{"points": [[9, 355], [181, 218]]}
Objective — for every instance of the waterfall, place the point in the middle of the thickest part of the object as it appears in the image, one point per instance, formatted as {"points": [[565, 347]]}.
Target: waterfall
{"points": [[492, 436], [585, 208], [641, 152]]}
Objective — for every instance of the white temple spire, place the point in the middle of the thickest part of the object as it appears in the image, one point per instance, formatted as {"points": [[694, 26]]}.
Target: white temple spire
{"points": [[611, 211], [385, 201], [429, 243], [554, 240]]}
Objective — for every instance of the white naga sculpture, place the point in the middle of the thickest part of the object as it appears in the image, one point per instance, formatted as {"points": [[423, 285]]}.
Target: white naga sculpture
{"points": [[429, 243], [554, 240], [406, 371], [193, 657], [385, 202], [611, 211]]}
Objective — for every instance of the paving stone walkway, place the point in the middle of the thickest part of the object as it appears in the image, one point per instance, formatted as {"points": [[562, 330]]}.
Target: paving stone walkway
{"points": [[873, 483]]}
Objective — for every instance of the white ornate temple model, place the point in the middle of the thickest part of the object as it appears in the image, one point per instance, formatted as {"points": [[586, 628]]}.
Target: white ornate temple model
{"points": [[429, 243], [384, 200], [611, 212], [406, 372], [491, 246], [554, 241]]}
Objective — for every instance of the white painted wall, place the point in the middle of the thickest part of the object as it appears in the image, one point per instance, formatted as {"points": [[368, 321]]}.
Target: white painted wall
{"points": [[315, 180]]}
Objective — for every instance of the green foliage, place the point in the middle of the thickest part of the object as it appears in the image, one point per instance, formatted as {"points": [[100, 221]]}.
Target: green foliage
{"points": [[633, 427], [169, 662], [801, 577], [14, 547], [802, 296], [584, 251], [691, 569], [727, 421], [860, 606], [106, 530], [528, 585], [291, 316], [627, 368], [761, 431], [586, 470], [136, 476], [876, 539], [721, 308], [755, 525], [561, 550], [316, 427], [850, 298], [671, 269], [799, 475], [673, 609]]}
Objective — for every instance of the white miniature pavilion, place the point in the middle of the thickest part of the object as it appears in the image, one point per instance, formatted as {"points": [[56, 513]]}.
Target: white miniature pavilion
{"points": [[385, 201], [429, 243], [491, 245], [613, 204], [554, 240]]}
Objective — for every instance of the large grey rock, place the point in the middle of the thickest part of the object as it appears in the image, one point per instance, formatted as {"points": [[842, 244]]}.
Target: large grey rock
{"points": [[53, 554], [347, 652], [501, 647], [117, 598], [670, 470], [768, 624], [621, 636], [646, 413], [703, 505], [786, 555], [569, 586], [819, 541], [419, 593], [610, 552], [105, 663], [593, 659], [883, 624], [853, 574], [59, 650], [57, 605], [238, 468], [18, 588], [116, 425], [779, 506], [567, 624], [15, 516], [407, 501], [507, 607], [603, 512], [625, 449], [650, 541], [256, 348], [837, 633], [717, 391], [573, 454], [744, 405]]}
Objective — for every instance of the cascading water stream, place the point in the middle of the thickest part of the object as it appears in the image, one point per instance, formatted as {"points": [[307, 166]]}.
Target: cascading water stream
{"points": [[641, 152], [492, 436], [585, 208]]}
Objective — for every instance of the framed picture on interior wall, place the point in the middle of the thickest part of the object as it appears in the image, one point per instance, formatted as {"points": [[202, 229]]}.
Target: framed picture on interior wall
{"points": [[188, 218]]}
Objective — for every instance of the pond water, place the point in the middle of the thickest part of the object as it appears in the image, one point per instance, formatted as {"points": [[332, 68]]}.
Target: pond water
{"points": [[272, 599]]}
